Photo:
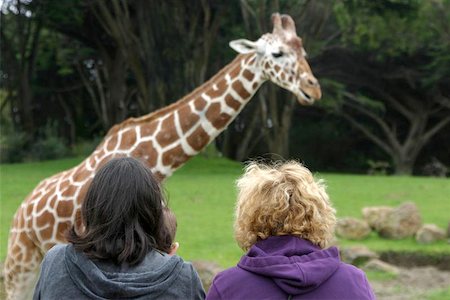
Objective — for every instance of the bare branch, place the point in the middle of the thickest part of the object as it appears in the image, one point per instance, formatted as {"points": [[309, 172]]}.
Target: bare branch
{"points": [[398, 106], [89, 89], [367, 133], [381, 123], [435, 129]]}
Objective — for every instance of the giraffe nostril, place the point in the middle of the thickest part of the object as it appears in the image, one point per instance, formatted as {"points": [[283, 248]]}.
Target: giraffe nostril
{"points": [[311, 82]]}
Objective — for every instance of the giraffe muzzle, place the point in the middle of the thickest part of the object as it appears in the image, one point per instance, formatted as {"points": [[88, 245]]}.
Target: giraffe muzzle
{"points": [[304, 98]]}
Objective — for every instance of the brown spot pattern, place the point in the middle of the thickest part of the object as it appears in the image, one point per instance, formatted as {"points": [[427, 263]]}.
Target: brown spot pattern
{"points": [[69, 191], [198, 139], [92, 162], [65, 182], [128, 139], [174, 157], [148, 129], [103, 160], [231, 102], [46, 233], [61, 230], [240, 89], [167, 135], [222, 87], [42, 202], [45, 218], [112, 143], [219, 120], [146, 149], [235, 72], [187, 118], [213, 111], [81, 174], [199, 103], [159, 176], [65, 208], [29, 209], [53, 201], [248, 75]]}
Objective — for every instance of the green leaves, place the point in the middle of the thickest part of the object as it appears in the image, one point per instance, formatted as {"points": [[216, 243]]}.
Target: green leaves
{"points": [[392, 27]]}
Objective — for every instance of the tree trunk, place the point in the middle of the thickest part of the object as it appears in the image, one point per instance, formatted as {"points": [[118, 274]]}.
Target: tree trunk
{"points": [[247, 137], [403, 166], [117, 89]]}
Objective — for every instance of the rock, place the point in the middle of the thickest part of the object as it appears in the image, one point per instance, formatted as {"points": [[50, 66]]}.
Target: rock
{"points": [[206, 270], [430, 233], [435, 168], [352, 229], [380, 266], [375, 216], [357, 255], [402, 222]]}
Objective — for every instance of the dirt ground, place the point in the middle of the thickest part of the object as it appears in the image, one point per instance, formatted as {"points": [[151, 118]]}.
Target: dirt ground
{"points": [[411, 283]]}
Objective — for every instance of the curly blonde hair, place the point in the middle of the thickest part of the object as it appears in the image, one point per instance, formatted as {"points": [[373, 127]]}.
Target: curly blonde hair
{"points": [[283, 199]]}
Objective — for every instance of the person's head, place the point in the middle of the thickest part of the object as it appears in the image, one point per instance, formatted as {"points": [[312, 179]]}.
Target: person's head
{"points": [[283, 199], [122, 213], [168, 231]]}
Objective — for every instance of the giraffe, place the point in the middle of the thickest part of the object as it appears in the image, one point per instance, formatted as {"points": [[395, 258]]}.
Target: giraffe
{"points": [[164, 139]]}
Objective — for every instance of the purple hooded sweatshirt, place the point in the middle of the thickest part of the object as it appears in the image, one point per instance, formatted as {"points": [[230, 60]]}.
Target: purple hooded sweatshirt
{"points": [[285, 267]]}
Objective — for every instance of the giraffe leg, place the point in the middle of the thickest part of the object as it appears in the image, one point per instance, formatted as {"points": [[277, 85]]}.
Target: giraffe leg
{"points": [[21, 267]]}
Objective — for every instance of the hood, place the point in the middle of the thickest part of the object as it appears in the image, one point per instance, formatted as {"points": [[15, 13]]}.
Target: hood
{"points": [[127, 282], [294, 264]]}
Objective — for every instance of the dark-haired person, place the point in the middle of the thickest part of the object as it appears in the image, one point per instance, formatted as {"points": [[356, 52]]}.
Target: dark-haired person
{"points": [[167, 243], [115, 256], [285, 221]]}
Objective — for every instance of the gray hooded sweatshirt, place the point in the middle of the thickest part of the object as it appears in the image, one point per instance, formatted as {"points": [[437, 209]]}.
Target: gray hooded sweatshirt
{"points": [[69, 274]]}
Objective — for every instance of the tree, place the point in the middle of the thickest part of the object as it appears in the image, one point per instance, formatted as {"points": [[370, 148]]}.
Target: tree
{"points": [[20, 30], [139, 64], [395, 69]]}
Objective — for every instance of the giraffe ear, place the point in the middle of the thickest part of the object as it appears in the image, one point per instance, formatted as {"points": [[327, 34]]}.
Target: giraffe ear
{"points": [[244, 46]]}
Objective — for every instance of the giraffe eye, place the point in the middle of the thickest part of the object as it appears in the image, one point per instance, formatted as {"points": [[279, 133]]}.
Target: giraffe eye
{"points": [[277, 54]]}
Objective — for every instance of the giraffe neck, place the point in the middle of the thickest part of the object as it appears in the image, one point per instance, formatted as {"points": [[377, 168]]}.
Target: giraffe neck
{"points": [[170, 136]]}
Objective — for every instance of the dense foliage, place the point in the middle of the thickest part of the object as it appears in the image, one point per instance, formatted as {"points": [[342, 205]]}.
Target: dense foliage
{"points": [[72, 69]]}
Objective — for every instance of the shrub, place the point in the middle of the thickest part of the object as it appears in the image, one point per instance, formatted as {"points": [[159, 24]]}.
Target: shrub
{"points": [[48, 145], [13, 145], [86, 147]]}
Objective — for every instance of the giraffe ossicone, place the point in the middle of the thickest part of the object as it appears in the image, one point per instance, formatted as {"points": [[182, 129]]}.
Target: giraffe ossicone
{"points": [[164, 139]]}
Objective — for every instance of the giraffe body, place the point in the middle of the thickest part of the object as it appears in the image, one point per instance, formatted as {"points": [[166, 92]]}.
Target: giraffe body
{"points": [[165, 139]]}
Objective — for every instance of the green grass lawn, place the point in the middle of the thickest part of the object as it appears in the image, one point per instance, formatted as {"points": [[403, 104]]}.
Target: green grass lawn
{"points": [[202, 194]]}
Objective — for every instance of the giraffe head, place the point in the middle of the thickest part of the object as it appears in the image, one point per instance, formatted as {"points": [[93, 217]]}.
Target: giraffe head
{"points": [[281, 59]]}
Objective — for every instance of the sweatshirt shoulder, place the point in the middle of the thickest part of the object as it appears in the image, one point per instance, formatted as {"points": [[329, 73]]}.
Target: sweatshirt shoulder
{"points": [[355, 276], [351, 270], [188, 268], [233, 276], [55, 252], [189, 284]]}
